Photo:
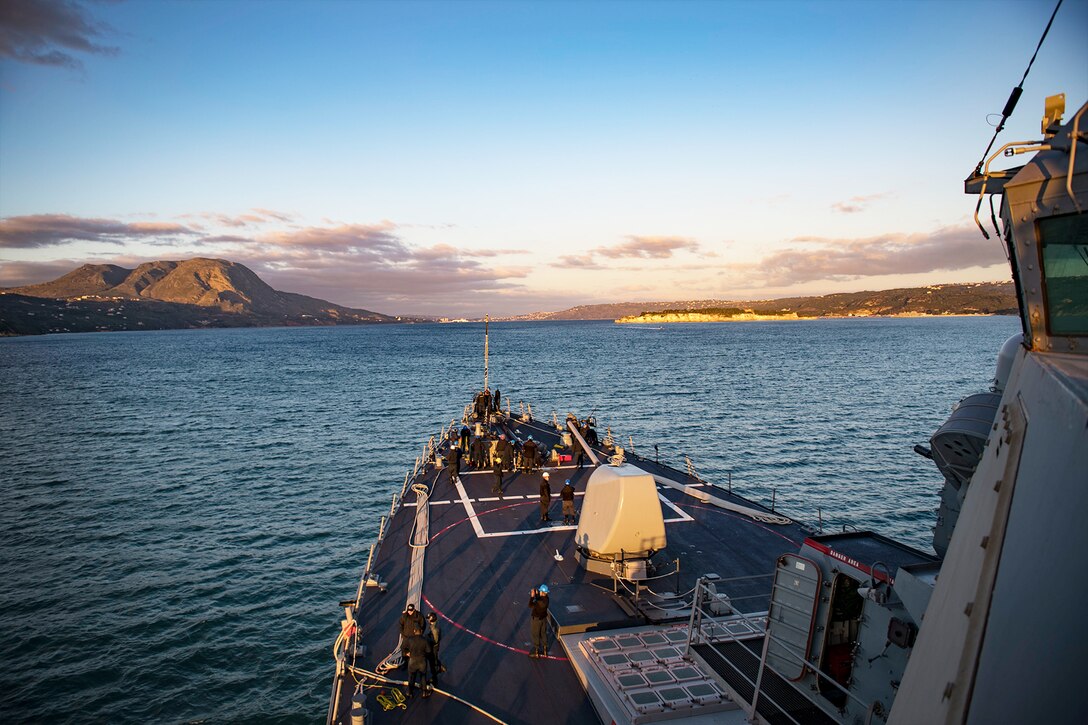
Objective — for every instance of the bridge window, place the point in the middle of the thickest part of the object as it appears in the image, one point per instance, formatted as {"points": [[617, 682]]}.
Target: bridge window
{"points": [[1065, 267]]}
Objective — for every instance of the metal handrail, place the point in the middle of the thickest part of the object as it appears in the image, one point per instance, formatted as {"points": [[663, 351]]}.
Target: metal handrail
{"points": [[700, 589]]}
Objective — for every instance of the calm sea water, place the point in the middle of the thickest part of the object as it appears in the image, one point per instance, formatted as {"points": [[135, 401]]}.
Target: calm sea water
{"points": [[183, 510]]}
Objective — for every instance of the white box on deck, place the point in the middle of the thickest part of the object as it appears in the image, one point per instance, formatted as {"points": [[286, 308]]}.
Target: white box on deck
{"points": [[621, 512]]}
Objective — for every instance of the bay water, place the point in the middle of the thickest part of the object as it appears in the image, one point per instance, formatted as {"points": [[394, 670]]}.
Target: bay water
{"points": [[183, 510]]}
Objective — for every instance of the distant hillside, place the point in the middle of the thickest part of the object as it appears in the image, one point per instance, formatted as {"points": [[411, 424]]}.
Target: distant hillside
{"points": [[981, 298], [164, 295]]}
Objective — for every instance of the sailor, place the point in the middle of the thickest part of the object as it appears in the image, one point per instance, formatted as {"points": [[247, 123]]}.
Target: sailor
{"points": [[577, 449], [476, 453], [453, 465], [591, 431], [419, 652], [545, 498], [433, 635], [528, 455], [538, 607], [410, 619], [496, 468], [497, 396], [567, 495], [506, 453], [465, 433], [485, 397]]}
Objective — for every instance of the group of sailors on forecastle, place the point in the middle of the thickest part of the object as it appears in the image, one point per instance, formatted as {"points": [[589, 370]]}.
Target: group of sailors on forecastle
{"points": [[485, 449], [488, 450]]}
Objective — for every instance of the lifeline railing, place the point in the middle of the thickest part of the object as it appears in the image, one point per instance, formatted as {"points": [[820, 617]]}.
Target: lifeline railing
{"points": [[349, 628], [696, 634]]}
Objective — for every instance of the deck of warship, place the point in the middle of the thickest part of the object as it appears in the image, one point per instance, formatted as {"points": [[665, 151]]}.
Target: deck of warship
{"points": [[484, 554]]}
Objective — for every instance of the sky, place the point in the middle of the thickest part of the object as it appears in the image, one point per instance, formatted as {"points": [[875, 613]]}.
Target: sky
{"points": [[460, 158]]}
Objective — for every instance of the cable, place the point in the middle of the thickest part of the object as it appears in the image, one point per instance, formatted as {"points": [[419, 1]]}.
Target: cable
{"points": [[359, 671], [1014, 96]]}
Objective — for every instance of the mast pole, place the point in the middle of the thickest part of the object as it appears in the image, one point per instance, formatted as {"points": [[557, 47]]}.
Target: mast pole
{"points": [[487, 321]]}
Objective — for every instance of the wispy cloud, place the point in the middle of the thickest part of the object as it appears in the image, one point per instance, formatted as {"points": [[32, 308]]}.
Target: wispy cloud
{"points": [[946, 249], [491, 252], [856, 204], [48, 32], [255, 217], [17, 274], [647, 248], [636, 247], [576, 261], [269, 214], [48, 230]]}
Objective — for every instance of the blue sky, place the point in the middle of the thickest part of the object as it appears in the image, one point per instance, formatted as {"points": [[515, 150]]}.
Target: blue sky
{"points": [[458, 158]]}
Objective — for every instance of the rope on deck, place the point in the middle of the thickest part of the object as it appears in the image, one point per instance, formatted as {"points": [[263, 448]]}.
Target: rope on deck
{"points": [[417, 541]]}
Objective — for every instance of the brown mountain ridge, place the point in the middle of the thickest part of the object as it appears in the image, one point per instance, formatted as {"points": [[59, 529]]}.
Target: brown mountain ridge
{"points": [[197, 292]]}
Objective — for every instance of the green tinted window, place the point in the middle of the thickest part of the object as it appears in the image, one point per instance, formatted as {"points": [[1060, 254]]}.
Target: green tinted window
{"points": [[1065, 267]]}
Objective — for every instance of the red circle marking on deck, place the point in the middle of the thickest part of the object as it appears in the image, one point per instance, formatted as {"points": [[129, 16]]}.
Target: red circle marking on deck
{"points": [[462, 627]]}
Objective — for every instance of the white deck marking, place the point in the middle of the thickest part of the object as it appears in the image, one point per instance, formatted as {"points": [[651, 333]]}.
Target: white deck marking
{"points": [[467, 503], [683, 514]]}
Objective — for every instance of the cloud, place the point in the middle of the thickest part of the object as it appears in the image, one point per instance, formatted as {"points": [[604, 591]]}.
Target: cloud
{"points": [[576, 261], [372, 240], [278, 216], [18, 274], [491, 252], [636, 247], [226, 239], [255, 217], [855, 204], [949, 248], [47, 230], [46, 32], [647, 248]]}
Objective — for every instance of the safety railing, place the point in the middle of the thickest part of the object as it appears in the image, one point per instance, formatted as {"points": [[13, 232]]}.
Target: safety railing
{"points": [[346, 641], [697, 634]]}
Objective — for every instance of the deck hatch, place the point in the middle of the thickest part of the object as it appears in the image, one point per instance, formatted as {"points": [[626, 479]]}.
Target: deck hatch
{"points": [[686, 673], [615, 661], [675, 697], [653, 640], [646, 701], [658, 677], [667, 654], [602, 644], [704, 693]]}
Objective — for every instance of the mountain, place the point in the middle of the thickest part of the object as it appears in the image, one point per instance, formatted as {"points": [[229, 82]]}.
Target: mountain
{"points": [[980, 298], [196, 292]]}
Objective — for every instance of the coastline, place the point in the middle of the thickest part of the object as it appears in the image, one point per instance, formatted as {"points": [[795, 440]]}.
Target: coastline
{"points": [[657, 319]]}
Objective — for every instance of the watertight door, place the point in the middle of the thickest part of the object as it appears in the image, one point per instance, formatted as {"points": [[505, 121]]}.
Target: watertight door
{"points": [[792, 612]]}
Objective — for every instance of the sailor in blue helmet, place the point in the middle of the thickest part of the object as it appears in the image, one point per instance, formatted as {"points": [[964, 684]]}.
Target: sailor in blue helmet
{"points": [[538, 607], [528, 455]]}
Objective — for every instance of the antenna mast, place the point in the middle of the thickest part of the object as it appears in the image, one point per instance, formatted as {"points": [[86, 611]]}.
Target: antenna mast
{"points": [[487, 320]]}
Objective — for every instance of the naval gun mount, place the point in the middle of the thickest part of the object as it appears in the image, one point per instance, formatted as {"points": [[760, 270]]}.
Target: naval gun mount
{"points": [[621, 525]]}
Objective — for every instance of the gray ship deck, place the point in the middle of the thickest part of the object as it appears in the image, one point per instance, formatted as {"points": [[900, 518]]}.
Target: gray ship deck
{"points": [[486, 554]]}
